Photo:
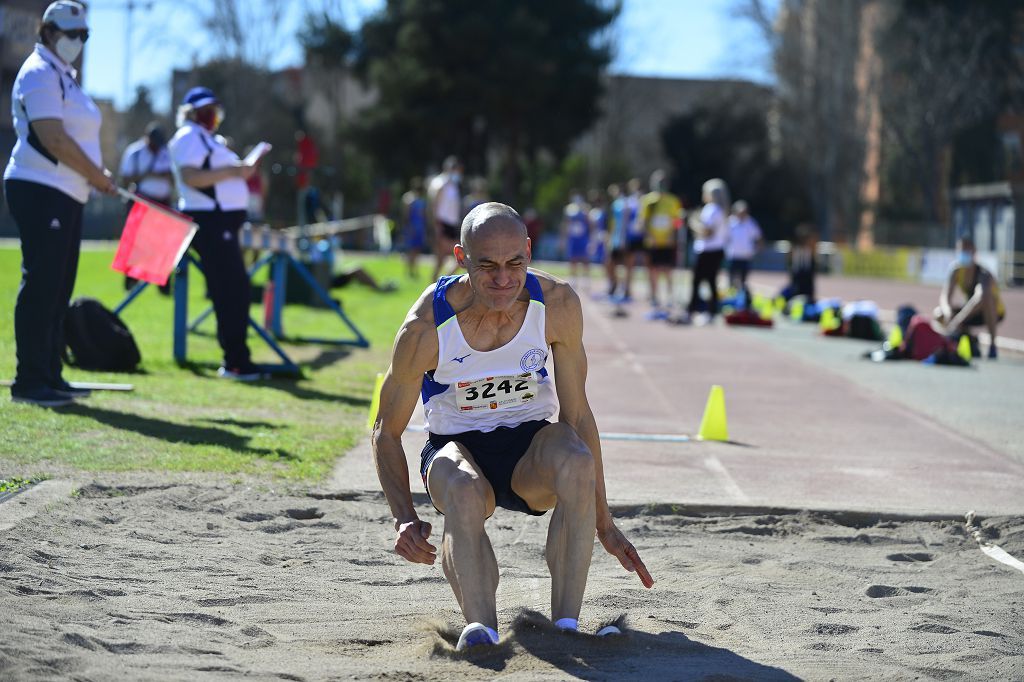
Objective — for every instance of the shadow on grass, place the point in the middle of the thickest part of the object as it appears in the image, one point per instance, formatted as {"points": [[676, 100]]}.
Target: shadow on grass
{"points": [[288, 385], [327, 357], [189, 434], [241, 423]]}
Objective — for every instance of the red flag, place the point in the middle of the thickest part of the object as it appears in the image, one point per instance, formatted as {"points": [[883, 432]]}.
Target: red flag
{"points": [[153, 241]]}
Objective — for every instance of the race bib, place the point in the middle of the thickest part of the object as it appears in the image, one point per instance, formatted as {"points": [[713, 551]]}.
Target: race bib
{"points": [[662, 222], [496, 393]]}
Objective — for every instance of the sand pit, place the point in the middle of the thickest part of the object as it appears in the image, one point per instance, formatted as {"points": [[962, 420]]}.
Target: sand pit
{"points": [[146, 577]]}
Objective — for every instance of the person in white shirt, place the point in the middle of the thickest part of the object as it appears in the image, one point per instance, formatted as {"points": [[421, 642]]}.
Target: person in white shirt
{"points": [[446, 211], [146, 170], [711, 230], [744, 241], [212, 190], [55, 163]]}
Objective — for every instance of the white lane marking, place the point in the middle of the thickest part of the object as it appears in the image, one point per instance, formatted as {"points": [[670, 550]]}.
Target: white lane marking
{"points": [[994, 551], [716, 466], [1001, 555]]}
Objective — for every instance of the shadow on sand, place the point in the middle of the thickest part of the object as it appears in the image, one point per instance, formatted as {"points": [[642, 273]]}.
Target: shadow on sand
{"points": [[632, 655]]}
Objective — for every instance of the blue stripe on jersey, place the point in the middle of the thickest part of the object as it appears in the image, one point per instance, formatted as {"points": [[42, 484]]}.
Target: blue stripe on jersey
{"points": [[431, 387], [533, 286], [543, 371], [442, 309]]}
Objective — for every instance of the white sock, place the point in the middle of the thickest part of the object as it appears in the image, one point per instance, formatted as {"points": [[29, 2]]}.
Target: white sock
{"points": [[567, 624]]}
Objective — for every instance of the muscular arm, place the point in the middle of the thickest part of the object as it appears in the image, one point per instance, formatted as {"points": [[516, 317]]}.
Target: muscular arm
{"points": [[570, 382], [414, 353], [574, 409], [51, 133]]}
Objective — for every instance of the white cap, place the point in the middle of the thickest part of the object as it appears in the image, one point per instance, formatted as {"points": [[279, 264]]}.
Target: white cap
{"points": [[67, 15]]}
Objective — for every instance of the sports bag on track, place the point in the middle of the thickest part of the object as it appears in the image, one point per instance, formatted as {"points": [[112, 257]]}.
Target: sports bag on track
{"points": [[97, 339]]}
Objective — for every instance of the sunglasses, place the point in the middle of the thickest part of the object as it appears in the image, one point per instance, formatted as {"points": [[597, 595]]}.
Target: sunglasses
{"points": [[77, 33]]}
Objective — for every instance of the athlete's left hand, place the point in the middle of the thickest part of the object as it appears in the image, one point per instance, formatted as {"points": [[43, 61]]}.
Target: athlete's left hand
{"points": [[622, 549]]}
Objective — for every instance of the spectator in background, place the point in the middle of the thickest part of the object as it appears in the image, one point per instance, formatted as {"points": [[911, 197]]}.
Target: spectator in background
{"points": [[661, 215], [54, 163], [576, 239], [146, 170], [414, 219], [636, 253], [307, 158], [534, 226], [599, 225], [446, 212], [802, 268], [982, 304], [616, 255], [477, 194], [711, 229], [744, 242], [212, 190]]}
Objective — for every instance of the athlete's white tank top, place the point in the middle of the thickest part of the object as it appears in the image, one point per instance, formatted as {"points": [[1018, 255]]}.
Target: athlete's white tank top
{"points": [[475, 390]]}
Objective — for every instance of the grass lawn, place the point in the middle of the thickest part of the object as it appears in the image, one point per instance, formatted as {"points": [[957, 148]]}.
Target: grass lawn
{"points": [[185, 418]]}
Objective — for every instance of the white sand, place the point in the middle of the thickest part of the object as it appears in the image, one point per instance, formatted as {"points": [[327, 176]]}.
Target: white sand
{"points": [[154, 577]]}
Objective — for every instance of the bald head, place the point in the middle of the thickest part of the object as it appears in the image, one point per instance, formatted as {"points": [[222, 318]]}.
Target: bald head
{"points": [[491, 218]]}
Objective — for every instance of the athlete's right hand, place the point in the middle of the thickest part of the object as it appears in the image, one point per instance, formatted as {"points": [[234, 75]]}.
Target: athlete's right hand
{"points": [[412, 544]]}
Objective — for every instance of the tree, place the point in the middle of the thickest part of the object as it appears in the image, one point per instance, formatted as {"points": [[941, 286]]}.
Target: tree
{"points": [[241, 29], [815, 48], [484, 79], [728, 138], [948, 68], [138, 115]]}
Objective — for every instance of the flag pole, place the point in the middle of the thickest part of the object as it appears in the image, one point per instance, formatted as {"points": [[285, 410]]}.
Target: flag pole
{"points": [[132, 196]]}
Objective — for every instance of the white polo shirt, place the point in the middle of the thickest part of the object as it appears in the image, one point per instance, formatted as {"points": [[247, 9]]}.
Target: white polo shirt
{"points": [[139, 159], [190, 147], [713, 217], [46, 89]]}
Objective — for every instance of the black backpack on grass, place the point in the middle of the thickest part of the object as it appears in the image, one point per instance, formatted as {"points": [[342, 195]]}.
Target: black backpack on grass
{"points": [[97, 339]]}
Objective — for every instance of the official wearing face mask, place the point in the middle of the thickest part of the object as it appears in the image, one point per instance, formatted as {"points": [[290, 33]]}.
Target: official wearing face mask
{"points": [[211, 185], [47, 182]]}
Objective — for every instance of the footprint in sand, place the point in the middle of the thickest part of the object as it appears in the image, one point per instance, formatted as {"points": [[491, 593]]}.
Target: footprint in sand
{"points": [[935, 629], [832, 629], [886, 591], [911, 556]]}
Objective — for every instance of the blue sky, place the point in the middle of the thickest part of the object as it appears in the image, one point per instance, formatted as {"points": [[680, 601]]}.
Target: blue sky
{"points": [[672, 38]]}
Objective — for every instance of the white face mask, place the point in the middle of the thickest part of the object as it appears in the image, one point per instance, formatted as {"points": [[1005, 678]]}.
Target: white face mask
{"points": [[68, 49]]}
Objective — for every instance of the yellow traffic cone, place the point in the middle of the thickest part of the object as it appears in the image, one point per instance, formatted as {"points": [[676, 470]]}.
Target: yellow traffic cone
{"points": [[796, 310], [712, 426], [375, 401], [828, 320], [896, 337], [963, 347]]}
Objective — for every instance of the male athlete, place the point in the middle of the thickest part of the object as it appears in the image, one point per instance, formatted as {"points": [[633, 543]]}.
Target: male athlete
{"points": [[476, 347]]}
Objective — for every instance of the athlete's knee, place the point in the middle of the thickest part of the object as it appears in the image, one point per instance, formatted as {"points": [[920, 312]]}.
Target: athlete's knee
{"points": [[573, 460], [465, 497]]}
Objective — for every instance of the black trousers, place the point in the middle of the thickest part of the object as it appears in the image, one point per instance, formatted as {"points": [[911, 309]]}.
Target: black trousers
{"points": [[50, 226], [216, 241], [706, 270]]}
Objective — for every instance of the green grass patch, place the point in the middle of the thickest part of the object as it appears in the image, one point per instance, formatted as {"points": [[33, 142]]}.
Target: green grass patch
{"points": [[185, 418]]}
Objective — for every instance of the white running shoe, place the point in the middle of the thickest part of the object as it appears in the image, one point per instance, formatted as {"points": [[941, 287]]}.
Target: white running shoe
{"points": [[476, 634]]}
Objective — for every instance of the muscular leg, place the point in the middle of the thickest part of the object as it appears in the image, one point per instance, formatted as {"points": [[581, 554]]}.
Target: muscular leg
{"points": [[466, 499], [558, 471]]}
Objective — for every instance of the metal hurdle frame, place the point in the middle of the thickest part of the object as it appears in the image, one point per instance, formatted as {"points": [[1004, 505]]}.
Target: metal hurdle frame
{"points": [[280, 247]]}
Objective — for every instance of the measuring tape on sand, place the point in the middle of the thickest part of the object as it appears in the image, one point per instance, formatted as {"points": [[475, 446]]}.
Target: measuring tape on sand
{"points": [[994, 551]]}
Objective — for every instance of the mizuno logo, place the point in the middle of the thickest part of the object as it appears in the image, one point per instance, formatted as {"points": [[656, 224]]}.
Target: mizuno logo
{"points": [[460, 360], [55, 224]]}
